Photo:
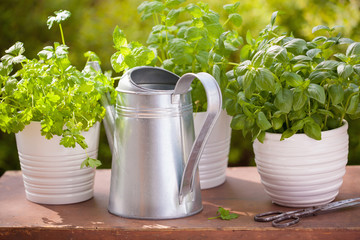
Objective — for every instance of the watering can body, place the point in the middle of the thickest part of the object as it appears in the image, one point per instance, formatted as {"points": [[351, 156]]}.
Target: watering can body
{"points": [[155, 154]]}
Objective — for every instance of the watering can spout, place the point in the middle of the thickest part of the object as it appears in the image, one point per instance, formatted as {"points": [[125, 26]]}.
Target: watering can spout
{"points": [[109, 120]]}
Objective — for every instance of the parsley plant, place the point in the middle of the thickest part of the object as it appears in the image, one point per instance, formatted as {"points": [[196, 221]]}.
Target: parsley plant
{"points": [[50, 90]]}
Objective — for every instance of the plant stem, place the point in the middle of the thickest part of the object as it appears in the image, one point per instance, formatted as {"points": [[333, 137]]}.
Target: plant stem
{"points": [[227, 20], [327, 108], [159, 58], [62, 34], [287, 121]]}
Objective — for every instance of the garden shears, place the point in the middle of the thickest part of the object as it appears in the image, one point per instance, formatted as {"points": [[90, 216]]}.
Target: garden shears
{"points": [[285, 219]]}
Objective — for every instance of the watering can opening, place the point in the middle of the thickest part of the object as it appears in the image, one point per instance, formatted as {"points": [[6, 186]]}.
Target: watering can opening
{"points": [[154, 78]]}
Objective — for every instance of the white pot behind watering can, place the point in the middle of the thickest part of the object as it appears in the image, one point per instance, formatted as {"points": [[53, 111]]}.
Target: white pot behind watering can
{"points": [[155, 154]]}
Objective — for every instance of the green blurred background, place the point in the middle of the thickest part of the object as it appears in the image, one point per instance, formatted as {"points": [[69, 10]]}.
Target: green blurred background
{"points": [[92, 22]]}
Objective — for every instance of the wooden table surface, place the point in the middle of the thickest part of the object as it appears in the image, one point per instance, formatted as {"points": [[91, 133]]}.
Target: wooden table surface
{"points": [[242, 193]]}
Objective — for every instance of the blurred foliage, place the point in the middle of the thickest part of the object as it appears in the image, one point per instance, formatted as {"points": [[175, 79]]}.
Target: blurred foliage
{"points": [[93, 21]]}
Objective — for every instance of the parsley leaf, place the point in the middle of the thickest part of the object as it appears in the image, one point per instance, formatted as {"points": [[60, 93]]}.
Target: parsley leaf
{"points": [[224, 214]]}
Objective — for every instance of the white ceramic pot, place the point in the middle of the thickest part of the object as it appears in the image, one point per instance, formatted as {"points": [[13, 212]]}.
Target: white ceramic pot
{"points": [[300, 171], [214, 160], [51, 172]]}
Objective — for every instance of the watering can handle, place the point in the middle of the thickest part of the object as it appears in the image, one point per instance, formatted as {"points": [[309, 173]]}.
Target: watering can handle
{"points": [[214, 103]]}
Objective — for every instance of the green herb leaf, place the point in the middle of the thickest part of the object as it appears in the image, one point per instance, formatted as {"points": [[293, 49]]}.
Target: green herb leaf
{"points": [[236, 19], [344, 70], [231, 8], [16, 49], [292, 79], [327, 65], [287, 133], [336, 93], [318, 76], [316, 92], [277, 52], [321, 27], [225, 214], [173, 3], [194, 10], [59, 17], [353, 49], [90, 162], [262, 121], [277, 123], [238, 122], [150, 8], [284, 100], [353, 104], [300, 99], [273, 18], [296, 46], [312, 130], [313, 52], [119, 38], [264, 80]]}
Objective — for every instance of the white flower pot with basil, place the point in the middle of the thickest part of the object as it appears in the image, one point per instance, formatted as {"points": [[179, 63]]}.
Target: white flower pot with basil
{"points": [[187, 39], [293, 96], [54, 110]]}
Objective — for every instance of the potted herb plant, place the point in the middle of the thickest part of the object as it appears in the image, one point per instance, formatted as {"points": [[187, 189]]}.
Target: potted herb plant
{"points": [[293, 97], [48, 98], [185, 39]]}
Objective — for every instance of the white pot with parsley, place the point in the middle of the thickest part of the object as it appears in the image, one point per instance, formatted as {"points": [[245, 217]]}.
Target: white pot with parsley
{"points": [[49, 94], [293, 96]]}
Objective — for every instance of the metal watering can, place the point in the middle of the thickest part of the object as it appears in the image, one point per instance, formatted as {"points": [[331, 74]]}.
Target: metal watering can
{"points": [[155, 159]]}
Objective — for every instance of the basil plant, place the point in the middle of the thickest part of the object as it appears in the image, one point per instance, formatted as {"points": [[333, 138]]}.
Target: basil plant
{"points": [[289, 85]]}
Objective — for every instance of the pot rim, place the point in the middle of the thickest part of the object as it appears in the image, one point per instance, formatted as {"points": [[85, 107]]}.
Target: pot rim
{"points": [[324, 134]]}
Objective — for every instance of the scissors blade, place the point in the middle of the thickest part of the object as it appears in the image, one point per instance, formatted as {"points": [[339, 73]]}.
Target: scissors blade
{"points": [[339, 204]]}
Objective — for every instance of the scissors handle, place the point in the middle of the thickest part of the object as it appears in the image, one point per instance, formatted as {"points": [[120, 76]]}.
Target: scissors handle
{"points": [[268, 216], [282, 222]]}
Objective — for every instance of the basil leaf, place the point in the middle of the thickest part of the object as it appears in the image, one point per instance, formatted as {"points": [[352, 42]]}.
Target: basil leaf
{"points": [[292, 79], [353, 49], [336, 93], [300, 99], [316, 92], [318, 76], [284, 100], [277, 123], [327, 65], [277, 52], [264, 80], [262, 121], [345, 70], [313, 52], [353, 104], [320, 27], [287, 133], [296, 46], [273, 18], [312, 130]]}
